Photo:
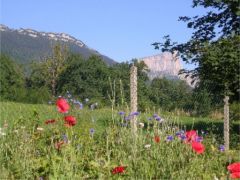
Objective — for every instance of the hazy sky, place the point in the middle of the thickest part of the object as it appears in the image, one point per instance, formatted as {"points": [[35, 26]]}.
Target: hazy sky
{"points": [[120, 29]]}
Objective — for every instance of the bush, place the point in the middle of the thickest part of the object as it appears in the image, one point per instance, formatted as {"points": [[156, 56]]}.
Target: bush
{"points": [[234, 111]]}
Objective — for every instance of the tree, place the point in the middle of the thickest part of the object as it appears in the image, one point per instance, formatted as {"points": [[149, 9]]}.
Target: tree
{"points": [[11, 79], [214, 45], [46, 73]]}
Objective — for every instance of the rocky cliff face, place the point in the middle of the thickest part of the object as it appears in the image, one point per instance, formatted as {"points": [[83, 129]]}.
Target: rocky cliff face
{"points": [[165, 65]]}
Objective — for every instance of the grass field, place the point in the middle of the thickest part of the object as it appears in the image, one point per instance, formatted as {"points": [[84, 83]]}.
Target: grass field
{"points": [[102, 140]]}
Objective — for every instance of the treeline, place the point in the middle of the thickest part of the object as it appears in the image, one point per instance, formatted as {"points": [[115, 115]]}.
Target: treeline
{"points": [[93, 79]]}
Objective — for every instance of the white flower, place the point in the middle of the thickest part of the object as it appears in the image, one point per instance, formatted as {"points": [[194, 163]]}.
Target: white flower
{"points": [[147, 146], [2, 133], [40, 129], [141, 125]]}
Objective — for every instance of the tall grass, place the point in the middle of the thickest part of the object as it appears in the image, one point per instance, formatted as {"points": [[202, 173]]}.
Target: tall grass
{"points": [[28, 152]]}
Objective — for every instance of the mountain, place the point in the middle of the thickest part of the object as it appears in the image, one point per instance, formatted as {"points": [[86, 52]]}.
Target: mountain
{"points": [[25, 45], [166, 65]]}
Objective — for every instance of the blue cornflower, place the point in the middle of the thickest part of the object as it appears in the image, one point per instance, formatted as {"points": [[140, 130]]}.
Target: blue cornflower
{"points": [[92, 131], [155, 115], [65, 139], [180, 133], [183, 137], [158, 118], [127, 118], [221, 148], [121, 113], [134, 113], [169, 138], [199, 139]]}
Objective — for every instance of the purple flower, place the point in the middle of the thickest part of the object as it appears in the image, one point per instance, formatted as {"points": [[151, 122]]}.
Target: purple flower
{"points": [[121, 113], [65, 139], [221, 148], [179, 133], [155, 115], [127, 118], [134, 113], [92, 131], [199, 139], [169, 138], [149, 118], [183, 137], [158, 118]]}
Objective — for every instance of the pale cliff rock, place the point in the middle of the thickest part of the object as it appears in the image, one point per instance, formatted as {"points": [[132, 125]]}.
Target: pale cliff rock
{"points": [[165, 65]]}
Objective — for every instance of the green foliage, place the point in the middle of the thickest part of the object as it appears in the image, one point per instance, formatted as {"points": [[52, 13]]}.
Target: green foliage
{"points": [[170, 94], [219, 65], [235, 111], [11, 79], [201, 102]]}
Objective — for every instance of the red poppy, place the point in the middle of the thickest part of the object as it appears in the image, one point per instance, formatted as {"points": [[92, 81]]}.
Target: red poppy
{"points": [[235, 175], [50, 121], [70, 121], [198, 147], [234, 170], [59, 144], [191, 135], [157, 139], [118, 170], [62, 105]]}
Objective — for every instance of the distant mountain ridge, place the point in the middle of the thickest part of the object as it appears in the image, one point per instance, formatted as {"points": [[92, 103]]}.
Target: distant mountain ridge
{"points": [[26, 45], [166, 65]]}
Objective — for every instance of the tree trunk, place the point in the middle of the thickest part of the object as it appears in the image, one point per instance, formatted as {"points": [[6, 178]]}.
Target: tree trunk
{"points": [[133, 96], [226, 122]]}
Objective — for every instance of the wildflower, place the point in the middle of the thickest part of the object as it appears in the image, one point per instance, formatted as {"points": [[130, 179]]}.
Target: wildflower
{"points": [[118, 170], [158, 118], [62, 105], [134, 113], [147, 146], [221, 148], [2, 134], [179, 133], [191, 135], [79, 104], [198, 147], [92, 131], [58, 144], [121, 113], [157, 139], [155, 115], [149, 118], [198, 139], [92, 107], [40, 129], [234, 170], [169, 138], [65, 139], [141, 125], [50, 121], [70, 121], [127, 118], [86, 100]]}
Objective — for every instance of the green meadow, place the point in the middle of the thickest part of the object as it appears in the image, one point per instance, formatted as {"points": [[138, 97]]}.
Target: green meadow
{"points": [[102, 140]]}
